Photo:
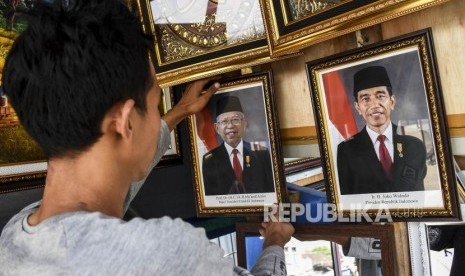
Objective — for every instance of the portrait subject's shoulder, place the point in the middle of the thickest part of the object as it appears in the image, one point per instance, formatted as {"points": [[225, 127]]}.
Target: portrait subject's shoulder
{"points": [[351, 138], [207, 155], [412, 143], [210, 154], [262, 153], [347, 142], [410, 140]]}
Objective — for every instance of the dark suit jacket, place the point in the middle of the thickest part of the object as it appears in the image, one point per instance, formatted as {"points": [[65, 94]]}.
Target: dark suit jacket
{"points": [[219, 178], [360, 171]]}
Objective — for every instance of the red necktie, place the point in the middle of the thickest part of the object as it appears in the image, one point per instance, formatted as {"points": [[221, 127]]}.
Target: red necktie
{"points": [[384, 156], [237, 166]]}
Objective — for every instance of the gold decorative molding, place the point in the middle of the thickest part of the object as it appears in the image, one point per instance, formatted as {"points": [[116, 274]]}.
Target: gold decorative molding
{"points": [[300, 9], [217, 67], [299, 135], [309, 180], [375, 12]]}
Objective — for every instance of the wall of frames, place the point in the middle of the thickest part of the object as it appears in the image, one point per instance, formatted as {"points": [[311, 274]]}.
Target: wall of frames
{"points": [[292, 91], [294, 110]]}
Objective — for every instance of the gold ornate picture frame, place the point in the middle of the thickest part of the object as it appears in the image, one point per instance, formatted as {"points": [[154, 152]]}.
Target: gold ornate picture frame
{"points": [[22, 163], [421, 181], [196, 39], [295, 24], [219, 129]]}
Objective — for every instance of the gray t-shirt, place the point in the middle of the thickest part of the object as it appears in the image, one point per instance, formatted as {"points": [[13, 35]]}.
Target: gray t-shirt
{"points": [[84, 243]]}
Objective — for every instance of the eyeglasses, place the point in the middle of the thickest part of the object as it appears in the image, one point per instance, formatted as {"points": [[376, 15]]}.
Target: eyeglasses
{"points": [[234, 121]]}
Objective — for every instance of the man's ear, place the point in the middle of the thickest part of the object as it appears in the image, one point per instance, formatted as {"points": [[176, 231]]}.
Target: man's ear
{"points": [[124, 125], [217, 128], [357, 108], [119, 119], [393, 102]]}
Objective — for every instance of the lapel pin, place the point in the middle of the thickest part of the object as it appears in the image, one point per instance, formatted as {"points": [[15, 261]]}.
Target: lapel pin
{"points": [[399, 149], [247, 161]]}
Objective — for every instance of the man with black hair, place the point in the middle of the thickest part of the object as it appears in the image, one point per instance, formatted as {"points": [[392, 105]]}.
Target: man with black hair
{"points": [[377, 159], [80, 80], [235, 167]]}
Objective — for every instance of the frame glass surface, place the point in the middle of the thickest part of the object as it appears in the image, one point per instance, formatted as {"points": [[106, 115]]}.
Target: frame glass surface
{"points": [[418, 111], [215, 186]]}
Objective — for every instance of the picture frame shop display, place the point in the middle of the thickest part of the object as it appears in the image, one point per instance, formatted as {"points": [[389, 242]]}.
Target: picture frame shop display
{"points": [[390, 88]]}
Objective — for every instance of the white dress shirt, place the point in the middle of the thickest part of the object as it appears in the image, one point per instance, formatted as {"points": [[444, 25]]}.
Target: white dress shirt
{"points": [[240, 148], [388, 141]]}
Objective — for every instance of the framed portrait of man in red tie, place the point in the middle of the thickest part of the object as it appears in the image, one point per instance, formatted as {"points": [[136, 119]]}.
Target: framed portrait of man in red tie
{"points": [[235, 148], [382, 131]]}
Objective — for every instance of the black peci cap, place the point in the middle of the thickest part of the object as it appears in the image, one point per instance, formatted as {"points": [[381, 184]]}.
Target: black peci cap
{"points": [[370, 77], [228, 104]]}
